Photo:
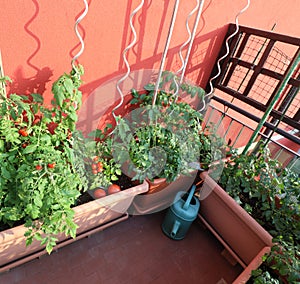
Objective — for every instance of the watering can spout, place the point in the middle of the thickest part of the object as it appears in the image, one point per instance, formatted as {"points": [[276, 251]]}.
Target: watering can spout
{"points": [[190, 196], [175, 228]]}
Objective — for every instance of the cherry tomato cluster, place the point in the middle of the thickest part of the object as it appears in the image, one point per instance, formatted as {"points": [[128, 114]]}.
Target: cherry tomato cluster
{"points": [[97, 167], [49, 166], [23, 132]]}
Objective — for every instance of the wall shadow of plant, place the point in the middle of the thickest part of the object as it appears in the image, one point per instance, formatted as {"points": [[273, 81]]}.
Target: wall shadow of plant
{"points": [[36, 83], [199, 59]]}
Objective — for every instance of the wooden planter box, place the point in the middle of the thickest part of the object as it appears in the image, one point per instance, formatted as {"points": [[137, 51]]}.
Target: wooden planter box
{"points": [[90, 217], [244, 240]]}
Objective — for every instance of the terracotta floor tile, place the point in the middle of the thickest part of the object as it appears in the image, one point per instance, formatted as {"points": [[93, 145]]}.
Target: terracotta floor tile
{"points": [[135, 251]]}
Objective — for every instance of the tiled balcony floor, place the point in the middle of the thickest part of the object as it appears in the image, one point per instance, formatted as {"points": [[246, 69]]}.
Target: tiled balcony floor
{"points": [[132, 252]]}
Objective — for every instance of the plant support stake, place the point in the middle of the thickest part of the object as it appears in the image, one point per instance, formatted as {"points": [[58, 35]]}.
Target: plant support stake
{"points": [[2, 87], [175, 10], [283, 84]]}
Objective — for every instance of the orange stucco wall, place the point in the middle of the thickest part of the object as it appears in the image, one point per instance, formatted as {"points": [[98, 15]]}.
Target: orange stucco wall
{"points": [[37, 38]]}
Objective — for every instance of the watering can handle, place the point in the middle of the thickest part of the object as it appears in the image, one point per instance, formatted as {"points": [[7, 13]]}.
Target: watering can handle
{"points": [[188, 200]]}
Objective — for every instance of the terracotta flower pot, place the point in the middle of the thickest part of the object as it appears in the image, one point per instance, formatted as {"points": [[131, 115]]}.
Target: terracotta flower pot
{"points": [[156, 185], [90, 217], [162, 196]]}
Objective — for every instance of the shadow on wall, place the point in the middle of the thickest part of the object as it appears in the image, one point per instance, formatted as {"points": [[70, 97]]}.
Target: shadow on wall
{"points": [[36, 83], [203, 53], [102, 95], [198, 69]]}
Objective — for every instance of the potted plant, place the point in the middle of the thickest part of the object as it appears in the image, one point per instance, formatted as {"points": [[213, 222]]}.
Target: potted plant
{"points": [[270, 195], [163, 142], [160, 141], [46, 166], [39, 182]]}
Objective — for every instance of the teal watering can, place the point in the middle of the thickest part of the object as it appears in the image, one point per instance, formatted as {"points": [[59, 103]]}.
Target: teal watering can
{"points": [[181, 214]]}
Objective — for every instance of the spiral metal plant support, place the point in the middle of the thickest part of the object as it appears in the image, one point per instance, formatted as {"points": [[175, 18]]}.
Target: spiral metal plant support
{"points": [[189, 41], [192, 36], [227, 50], [80, 18], [125, 59]]}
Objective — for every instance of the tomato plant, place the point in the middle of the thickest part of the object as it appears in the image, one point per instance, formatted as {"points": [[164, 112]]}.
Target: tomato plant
{"points": [[40, 179], [100, 167]]}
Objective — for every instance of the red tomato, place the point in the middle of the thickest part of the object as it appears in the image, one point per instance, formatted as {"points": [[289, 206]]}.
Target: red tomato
{"points": [[38, 167], [23, 132], [99, 193], [95, 159], [99, 167], [51, 165], [24, 145], [113, 188], [94, 172]]}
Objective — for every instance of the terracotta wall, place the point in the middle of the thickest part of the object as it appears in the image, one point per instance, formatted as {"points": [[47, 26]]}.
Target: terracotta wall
{"points": [[37, 38]]}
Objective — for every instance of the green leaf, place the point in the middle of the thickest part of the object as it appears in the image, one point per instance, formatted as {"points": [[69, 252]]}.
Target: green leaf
{"points": [[13, 114], [49, 247], [35, 212], [38, 237], [72, 116], [134, 101], [30, 149], [114, 177], [5, 173], [135, 93], [58, 94], [37, 201], [29, 241], [37, 98], [68, 83], [149, 87]]}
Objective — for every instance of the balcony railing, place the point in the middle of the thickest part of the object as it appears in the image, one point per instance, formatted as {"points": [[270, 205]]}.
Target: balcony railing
{"points": [[251, 75]]}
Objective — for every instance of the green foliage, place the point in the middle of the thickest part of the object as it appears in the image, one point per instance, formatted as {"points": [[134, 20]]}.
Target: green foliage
{"points": [[271, 195], [160, 140], [41, 178], [168, 87], [166, 139], [99, 167], [263, 277]]}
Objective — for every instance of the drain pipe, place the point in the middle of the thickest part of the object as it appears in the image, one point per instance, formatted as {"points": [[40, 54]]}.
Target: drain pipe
{"points": [[283, 84]]}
